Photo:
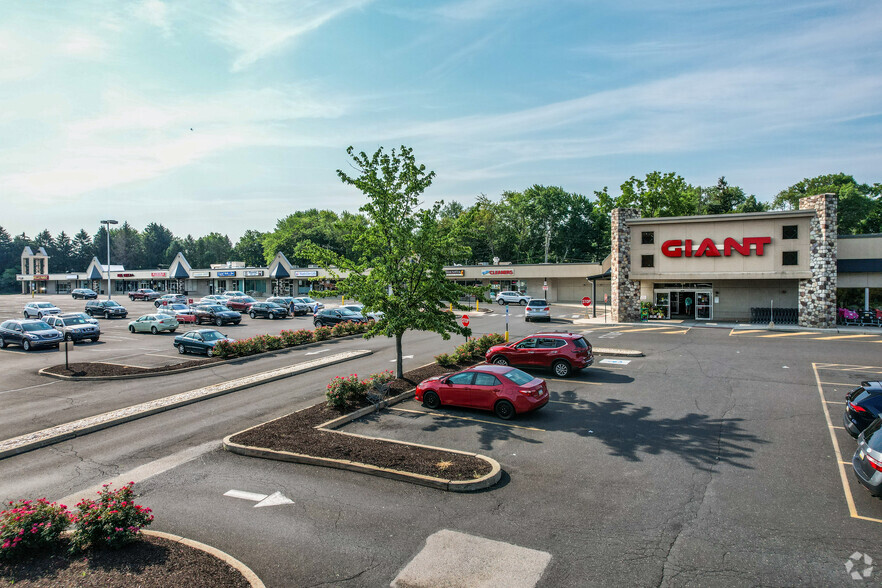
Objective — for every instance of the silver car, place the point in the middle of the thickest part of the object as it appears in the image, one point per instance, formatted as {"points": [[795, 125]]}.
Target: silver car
{"points": [[867, 460], [537, 309], [74, 327], [512, 297], [39, 309]]}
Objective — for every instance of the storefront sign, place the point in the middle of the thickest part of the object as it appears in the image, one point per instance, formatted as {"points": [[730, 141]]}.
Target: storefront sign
{"points": [[41, 277], [306, 274], [125, 275], [455, 272], [22, 278], [226, 274], [158, 274], [497, 272], [71, 277], [201, 274], [707, 248], [254, 273]]}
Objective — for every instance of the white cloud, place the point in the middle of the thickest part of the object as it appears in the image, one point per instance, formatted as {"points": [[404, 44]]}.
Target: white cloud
{"points": [[155, 13], [82, 45]]}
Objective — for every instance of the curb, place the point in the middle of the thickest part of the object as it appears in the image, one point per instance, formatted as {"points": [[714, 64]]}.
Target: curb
{"points": [[225, 557], [618, 352], [34, 440], [486, 481], [42, 372]]}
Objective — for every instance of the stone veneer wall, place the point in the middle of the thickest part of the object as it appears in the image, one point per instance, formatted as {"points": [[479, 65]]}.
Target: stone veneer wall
{"points": [[625, 292], [817, 295]]}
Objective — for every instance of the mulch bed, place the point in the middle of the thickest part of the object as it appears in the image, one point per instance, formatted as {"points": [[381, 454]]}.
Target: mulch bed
{"points": [[111, 369], [150, 561], [296, 433]]}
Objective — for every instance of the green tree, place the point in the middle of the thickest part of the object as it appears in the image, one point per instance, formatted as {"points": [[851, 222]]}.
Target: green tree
{"points": [[8, 283], [8, 256], [63, 257], [125, 247], [249, 248], [213, 248], [400, 254], [857, 202], [656, 196], [321, 227], [82, 250], [155, 240]]}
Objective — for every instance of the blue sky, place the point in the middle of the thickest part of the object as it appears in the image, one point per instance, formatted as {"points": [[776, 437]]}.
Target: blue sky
{"points": [[207, 115]]}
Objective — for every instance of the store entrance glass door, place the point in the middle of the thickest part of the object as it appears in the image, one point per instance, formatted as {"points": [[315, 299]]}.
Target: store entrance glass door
{"points": [[663, 299], [704, 309]]}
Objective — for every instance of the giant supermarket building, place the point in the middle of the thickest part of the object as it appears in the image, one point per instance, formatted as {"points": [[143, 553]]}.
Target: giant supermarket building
{"points": [[783, 265]]}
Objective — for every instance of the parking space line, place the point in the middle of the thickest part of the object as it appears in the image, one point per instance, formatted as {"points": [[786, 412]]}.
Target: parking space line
{"points": [[683, 332], [171, 356], [833, 402], [29, 387], [835, 337], [644, 329], [572, 381], [840, 383], [143, 367], [783, 335], [744, 331], [563, 402], [836, 427], [855, 369], [448, 416]]}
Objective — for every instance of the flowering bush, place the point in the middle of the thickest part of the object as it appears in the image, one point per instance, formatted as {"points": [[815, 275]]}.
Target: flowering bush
{"points": [[339, 329], [30, 525], [303, 336], [343, 390], [445, 360], [112, 521], [381, 378], [485, 342], [261, 343], [223, 349], [273, 342], [322, 333]]}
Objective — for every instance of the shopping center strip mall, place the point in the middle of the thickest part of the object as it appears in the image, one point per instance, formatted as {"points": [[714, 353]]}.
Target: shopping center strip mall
{"points": [[784, 266]]}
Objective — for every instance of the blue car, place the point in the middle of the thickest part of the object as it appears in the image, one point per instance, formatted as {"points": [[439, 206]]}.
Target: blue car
{"points": [[29, 334], [199, 341]]}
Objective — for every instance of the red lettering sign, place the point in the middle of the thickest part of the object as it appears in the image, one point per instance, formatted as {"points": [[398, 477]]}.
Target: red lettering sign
{"points": [[707, 248]]}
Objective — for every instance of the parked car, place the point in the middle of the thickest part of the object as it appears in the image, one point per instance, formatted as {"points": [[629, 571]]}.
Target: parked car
{"points": [[537, 309], [332, 316], [175, 309], [144, 294], [213, 299], [106, 308], [867, 459], [29, 334], [39, 309], [74, 327], [86, 317], [233, 293], [169, 299], [507, 391], [267, 310], [314, 305], [84, 293], [240, 303], [563, 353], [863, 405], [289, 302], [153, 323], [217, 314], [199, 341], [511, 297], [374, 316]]}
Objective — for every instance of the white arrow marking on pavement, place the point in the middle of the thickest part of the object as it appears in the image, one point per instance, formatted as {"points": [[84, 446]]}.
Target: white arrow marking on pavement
{"points": [[316, 352], [274, 499], [402, 357]]}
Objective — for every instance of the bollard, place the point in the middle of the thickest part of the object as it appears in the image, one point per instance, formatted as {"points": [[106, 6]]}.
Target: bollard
{"points": [[451, 307], [477, 306], [344, 301]]}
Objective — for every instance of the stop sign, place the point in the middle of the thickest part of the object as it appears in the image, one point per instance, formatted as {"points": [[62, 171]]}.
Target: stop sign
{"points": [[586, 301], [465, 320]]}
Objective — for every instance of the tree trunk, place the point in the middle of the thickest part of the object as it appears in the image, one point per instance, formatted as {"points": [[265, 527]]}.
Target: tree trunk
{"points": [[399, 361]]}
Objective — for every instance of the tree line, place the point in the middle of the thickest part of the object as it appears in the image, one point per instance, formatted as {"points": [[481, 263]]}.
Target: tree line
{"points": [[537, 224]]}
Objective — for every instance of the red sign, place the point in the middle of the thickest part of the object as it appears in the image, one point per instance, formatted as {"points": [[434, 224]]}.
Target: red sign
{"points": [[157, 274], [586, 301], [707, 248], [42, 277], [465, 320], [125, 275]]}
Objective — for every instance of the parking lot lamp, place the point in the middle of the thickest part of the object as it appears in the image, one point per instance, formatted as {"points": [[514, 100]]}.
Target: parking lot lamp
{"points": [[107, 223]]}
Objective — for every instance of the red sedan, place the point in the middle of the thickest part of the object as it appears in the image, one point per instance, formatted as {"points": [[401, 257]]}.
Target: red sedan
{"points": [[507, 391]]}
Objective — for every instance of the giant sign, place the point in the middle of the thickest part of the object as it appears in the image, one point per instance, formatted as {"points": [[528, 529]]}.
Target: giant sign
{"points": [[707, 248]]}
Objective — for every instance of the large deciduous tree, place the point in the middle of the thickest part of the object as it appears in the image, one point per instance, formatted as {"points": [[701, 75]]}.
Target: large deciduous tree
{"points": [[655, 196], [249, 248], [399, 255], [860, 206]]}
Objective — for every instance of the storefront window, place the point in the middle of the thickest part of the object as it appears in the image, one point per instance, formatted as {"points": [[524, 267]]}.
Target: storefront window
{"points": [[62, 287]]}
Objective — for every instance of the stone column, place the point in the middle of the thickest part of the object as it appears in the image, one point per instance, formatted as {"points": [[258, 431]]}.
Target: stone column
{"points": [[817, 295], [625, 292]]}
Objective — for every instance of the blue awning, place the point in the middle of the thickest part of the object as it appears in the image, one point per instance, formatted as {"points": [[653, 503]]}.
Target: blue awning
{"points": [[279, 272], [180, 272], [95, 274]]}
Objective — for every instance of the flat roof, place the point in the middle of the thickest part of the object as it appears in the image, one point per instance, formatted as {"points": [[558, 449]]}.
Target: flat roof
{"points": [[715, 218]]}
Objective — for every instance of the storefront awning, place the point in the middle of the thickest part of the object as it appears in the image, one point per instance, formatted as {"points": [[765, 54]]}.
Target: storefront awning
{"points": [[604, 276], [94, 274], [279, 272], [180, 273]]}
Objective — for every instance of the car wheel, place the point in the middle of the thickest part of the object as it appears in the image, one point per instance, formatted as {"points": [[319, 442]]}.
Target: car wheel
{"points": [[210, 352], [500, 302], [500, 360], [523, 302], [26, 345], [219, 322], [317, 323], [94, 339], [431, 400], [252, 315], [39, 315], [504, 410], [107, 315], [68, 337], [181, 349], [561, 369], [2, 343], [154, 330], [25, 314], [272, 316]]}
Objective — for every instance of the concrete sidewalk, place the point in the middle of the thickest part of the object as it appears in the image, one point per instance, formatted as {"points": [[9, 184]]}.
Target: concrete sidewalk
{"points": [[694, 324]]}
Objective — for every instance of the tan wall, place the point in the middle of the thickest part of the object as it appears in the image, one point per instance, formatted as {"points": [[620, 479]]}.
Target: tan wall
{"points": [[860, 248], [864, 280], [769, 265]]}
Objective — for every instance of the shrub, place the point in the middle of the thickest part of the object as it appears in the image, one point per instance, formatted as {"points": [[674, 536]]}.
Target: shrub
{"points": [[339, 330], [322, 333], [381, 378], [288, 338], [343, 390], [273, 342], [303, 336], [112, 521], [224, 349], [30, 525], [445, 360], [487, 341]]}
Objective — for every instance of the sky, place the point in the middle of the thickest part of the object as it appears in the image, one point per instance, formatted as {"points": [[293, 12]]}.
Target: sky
{"points": [[215, 115]]}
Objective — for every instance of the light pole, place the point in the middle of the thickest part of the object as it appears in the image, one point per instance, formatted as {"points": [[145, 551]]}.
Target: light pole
{"points": [[107, 223]]}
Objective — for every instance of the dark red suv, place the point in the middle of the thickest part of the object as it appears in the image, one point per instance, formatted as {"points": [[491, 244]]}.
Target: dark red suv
{"points": [[240, 303], [563, 353]]}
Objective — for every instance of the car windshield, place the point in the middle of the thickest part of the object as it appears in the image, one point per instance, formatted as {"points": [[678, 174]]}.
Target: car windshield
{"points": [[213, 335], [272, 305], [110, 303], [537, 303], [84, 316], [518, 377], [248, 299], [872, 436], [177, 306], [347, 312], [307, 300], [354, 308], [215, 307], [44, 305], [74, 320], [41, 326]]}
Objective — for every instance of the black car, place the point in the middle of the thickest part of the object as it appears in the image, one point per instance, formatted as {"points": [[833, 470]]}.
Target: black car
{"points": [[215, 313], [29, 334], [106, 308], [84, 293], [267, 310], [199, 341], [294, 307], [332, 316], [862, 406], [74, 327]]}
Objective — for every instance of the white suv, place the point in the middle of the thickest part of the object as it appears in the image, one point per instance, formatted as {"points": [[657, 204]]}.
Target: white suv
{"points": [[39, 309], [511, 297]]}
